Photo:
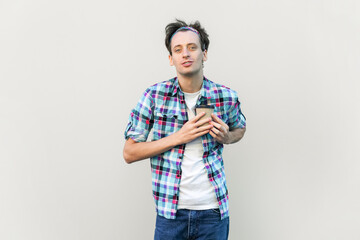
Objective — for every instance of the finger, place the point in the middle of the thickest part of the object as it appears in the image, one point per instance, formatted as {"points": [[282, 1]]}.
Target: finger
{"points": [[217, 119], [217, 125], [219, 140], [199, 134], [197, 117], [203, 128], [214, 130], [218, 133], [213, 134], [217, 137], [202, 121]]}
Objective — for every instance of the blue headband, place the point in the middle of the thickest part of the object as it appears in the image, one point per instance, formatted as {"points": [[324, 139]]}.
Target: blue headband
{"points": [[185, 28]]}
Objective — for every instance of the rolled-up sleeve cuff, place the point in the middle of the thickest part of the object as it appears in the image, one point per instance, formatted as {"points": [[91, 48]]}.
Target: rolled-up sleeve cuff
{"points": [[138, 135]]}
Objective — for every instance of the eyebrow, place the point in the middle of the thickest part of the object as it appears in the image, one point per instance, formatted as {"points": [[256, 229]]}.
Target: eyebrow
{"points": [[186, 45]]}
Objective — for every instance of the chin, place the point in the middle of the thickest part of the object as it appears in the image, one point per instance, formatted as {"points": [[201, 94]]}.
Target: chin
{"points": [[190, 73]]}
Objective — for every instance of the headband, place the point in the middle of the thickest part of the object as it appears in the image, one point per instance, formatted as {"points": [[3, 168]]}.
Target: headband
{"points": [[185, 28]]}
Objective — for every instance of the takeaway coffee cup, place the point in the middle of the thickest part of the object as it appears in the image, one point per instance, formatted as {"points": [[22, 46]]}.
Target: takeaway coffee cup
{"points": [[208, 109]]}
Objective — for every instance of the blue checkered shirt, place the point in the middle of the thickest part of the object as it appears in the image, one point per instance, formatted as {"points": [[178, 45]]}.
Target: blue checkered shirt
{"points": [[162, 108]]}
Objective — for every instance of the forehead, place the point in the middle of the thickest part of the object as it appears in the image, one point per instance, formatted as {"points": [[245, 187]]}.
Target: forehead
{"points": [[184, 38]]}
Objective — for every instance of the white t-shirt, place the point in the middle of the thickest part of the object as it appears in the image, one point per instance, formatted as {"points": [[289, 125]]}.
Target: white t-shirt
{"points": [[196, 191]]}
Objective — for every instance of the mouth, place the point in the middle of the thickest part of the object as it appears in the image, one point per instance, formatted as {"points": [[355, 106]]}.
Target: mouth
{"points": [[187, 63]]}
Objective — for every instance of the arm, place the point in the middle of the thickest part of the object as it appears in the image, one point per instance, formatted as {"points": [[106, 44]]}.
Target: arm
{"points": [[236, 135], [135, 151]]}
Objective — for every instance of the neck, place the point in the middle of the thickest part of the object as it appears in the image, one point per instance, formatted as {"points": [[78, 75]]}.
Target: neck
{"points": [[190, 84]]}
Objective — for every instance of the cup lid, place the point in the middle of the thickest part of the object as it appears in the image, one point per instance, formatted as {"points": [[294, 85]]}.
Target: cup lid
{"points": [[204, 106]]}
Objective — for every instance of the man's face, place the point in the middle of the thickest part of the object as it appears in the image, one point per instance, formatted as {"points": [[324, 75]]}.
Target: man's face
{"points": [[187, 56]]}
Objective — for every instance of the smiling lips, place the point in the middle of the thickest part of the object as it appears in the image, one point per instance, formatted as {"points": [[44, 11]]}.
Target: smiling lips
{"points": [[187, 63]]}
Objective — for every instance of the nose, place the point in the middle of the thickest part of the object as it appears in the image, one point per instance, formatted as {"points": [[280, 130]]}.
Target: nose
{"points": [[185, 53]]}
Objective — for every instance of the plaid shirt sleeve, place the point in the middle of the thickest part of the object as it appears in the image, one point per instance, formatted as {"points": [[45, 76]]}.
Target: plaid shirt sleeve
{"points": [[236, 117], [141, 119]]}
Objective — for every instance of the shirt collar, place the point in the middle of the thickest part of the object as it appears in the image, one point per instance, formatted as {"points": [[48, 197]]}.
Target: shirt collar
{"points": [[205, 89]]}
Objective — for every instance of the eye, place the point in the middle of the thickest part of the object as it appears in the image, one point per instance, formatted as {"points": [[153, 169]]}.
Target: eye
{"points": [[192, 47], [177, 50]]}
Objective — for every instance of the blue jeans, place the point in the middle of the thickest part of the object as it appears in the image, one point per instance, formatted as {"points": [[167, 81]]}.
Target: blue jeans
{"points": [[193, 224]]}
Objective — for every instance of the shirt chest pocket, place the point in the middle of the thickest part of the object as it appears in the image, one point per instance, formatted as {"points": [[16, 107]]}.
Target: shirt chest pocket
{"points": [[166, 122]]}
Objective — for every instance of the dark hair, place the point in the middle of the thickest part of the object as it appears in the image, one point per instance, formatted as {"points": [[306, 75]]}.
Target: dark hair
{"points": [[171, 28]]}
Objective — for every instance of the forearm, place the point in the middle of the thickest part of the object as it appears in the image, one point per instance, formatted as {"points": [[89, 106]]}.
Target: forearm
{"points": [[135, 151], [235, 135]]}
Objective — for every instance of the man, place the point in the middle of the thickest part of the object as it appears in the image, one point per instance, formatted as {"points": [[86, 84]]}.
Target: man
{"points": [[188, 178]]}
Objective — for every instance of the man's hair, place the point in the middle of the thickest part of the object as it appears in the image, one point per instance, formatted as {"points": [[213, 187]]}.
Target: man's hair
{"points": [[171, 28]]}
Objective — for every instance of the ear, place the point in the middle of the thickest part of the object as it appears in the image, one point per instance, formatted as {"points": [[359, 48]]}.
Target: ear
{"points": [[204, 55], [171, 60]]}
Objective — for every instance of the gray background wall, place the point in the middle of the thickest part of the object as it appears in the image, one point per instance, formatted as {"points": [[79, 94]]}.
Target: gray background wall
{"points": [[72, 70]]}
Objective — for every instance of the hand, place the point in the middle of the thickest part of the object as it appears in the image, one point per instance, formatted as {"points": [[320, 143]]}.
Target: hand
{"points": [[192, 130], [220, 130]]}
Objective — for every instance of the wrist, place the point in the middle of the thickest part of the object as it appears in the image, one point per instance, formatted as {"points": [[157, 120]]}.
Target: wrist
{"points": [[174, 140]]}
